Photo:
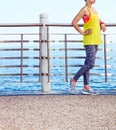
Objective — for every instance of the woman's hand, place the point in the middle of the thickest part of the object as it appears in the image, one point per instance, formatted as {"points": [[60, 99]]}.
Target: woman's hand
{"points": [[87, 32], [103, 27]]}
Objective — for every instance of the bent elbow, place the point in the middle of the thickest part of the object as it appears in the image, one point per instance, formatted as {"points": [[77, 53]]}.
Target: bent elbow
{"points": [[73, 23]]}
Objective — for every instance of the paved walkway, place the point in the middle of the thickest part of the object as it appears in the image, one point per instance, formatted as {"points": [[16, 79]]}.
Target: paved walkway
{"points": [[58, 112]]}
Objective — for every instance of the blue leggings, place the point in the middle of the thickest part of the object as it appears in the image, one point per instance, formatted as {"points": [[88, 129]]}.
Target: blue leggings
{"points": [[91, 51]]}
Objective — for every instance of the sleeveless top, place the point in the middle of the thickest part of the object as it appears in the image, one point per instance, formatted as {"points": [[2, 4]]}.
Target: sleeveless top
{"points": [[92, 23]]}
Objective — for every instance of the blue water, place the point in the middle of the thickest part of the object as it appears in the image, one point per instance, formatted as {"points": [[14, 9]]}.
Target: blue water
{"points": [[58, 79]]}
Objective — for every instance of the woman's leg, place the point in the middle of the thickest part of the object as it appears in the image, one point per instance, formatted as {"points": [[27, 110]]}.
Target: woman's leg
{"points": [[86, 75], [91, 51], [89, 64]]}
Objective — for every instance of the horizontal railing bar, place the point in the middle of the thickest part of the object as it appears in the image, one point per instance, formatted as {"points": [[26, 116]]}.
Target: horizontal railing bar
{"points": [[62, 49], [74, 57], [108, 66], [16, 49], [36, 41], [49, 24], [13, 66], [101, 74], [71, 57], [19, 58], [65, 41], [36, 74], [21, 25], [79, 49], [61, 74], [36, 49], [34, 25], [69, 25], [14, 58], [36, 57], [80, 57], [94, 74], [19, 34], [36, 66], [52, 41], [7, 58], [20, 82], [53, 49], [24, 49], [18, 41], [13, 41], [24, 74], [14, 74]]}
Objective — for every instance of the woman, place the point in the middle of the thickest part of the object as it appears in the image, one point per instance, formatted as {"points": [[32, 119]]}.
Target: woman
{"points": [[92, 38]]}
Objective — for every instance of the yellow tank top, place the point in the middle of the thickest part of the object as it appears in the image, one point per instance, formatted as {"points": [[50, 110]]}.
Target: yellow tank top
{"points": [[93, 23]]}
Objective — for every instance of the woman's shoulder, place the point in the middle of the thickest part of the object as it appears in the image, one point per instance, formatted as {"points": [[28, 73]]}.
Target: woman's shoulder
{"points": [[85, 10]]}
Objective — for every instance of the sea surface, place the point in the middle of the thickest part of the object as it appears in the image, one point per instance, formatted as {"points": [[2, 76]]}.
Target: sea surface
{"points": [[58, 80]]}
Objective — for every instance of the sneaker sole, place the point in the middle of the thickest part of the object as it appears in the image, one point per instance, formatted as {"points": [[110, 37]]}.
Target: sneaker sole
{"points": [[86, 93]]}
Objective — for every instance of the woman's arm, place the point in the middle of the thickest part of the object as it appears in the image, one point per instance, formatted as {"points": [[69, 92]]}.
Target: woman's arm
{"points": [[77, 18], [102, 26]]}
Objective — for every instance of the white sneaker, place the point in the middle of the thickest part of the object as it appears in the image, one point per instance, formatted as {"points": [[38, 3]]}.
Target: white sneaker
{"points": [[90, 91], [72, 86]]}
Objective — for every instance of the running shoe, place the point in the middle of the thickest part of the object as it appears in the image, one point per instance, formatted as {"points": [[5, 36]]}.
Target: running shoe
{"points": [[72, 85], [89, 91]]}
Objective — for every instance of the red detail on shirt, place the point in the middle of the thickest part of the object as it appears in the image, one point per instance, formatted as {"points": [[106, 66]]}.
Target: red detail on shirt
{"points": [[86, 19]]}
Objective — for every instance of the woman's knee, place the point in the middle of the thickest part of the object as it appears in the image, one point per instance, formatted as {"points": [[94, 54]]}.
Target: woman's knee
{"points": [[90, 65]]}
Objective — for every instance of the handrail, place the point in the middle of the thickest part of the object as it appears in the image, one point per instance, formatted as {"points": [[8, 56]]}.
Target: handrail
{"points": [[49, 24], [21, 25], [65, 40]]}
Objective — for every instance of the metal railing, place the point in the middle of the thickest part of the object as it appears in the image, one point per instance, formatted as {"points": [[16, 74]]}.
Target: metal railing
{"points": [[17, 55], [103, 57], [17, 47]]}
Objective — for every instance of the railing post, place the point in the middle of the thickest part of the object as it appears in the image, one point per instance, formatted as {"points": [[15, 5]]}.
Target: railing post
{"points": [[44, 54], [105, 58], [21, 68], [66, 59]]}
